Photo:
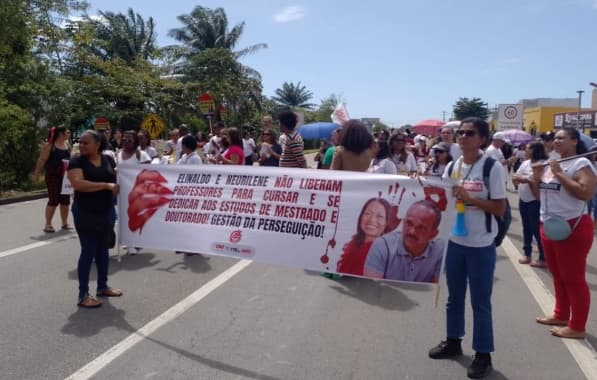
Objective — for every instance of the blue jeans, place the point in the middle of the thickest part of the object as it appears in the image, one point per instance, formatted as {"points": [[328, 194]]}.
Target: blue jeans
{"points": [[91, 248], [529, 214], [477, 266]]}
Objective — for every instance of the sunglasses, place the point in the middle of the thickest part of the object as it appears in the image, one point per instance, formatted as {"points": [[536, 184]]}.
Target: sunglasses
{"points": [[467, 133]]}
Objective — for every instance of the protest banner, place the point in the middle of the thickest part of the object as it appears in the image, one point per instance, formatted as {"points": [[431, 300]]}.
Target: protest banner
{"points": [[371, 225]]}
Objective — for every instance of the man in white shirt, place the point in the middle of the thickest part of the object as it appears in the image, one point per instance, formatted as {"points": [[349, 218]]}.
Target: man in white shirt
{"points": [[248, 148], [494, 150], [183, 130]]}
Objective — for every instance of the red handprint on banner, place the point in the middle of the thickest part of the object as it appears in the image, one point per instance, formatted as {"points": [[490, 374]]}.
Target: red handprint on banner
{"points": [[147, 196]]}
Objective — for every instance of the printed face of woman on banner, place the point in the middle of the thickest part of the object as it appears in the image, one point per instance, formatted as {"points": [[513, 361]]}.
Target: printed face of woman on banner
{"points": [[373, 220]]}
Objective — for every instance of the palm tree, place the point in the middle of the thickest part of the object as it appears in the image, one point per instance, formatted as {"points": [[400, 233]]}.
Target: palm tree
{"points": [[205, 28], [293, 96], [127, 37]]}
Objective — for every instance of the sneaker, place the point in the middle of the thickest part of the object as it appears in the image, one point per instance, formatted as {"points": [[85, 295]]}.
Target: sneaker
{"points": [[446, 349], [480, 367]]}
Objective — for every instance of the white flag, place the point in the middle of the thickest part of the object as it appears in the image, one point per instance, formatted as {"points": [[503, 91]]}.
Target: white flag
{"points": [[340, 114]]}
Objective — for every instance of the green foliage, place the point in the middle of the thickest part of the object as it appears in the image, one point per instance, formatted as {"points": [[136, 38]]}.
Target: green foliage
{"points": [[18, 144], [466, 107], [293, 96]]}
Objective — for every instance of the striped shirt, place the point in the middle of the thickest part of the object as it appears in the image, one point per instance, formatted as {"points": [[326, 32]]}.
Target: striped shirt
{"points": [[292, 152]]}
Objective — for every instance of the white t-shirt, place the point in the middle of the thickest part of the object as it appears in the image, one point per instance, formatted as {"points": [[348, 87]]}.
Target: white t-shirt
{"points": [[213, 146], [555, 199], [455, 151], [495, 153], [553, 155], [524, 189], [385, 166], [143, 157], [151, 151], [178, 149], [405, 167], [248, 146], [190, 159], [472, 178]]}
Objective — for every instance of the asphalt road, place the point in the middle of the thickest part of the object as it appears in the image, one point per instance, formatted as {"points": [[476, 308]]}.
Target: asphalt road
{"points": [[258, 322]]}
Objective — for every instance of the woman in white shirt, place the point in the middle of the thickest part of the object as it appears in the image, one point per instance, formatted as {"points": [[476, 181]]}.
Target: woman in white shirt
{"points": [[441, 158], [400, 156], [381, 162], [471, 257], [564, 189], [528, 204], [189, 154]]}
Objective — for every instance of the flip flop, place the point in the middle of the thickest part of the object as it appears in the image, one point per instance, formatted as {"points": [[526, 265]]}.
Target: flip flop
{"points": [[551, 321], [571, 334], [49, 229], [66, 227]]}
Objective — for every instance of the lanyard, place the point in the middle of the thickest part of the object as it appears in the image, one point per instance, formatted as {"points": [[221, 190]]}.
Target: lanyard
{"points": [[468, 173]]}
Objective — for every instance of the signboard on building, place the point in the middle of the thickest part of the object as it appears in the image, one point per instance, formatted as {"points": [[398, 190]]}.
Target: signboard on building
{"points": [[588, 120], [509, 116]]}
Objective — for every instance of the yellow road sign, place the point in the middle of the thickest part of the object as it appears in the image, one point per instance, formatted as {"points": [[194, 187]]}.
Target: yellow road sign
{"points": [[154, 125]]}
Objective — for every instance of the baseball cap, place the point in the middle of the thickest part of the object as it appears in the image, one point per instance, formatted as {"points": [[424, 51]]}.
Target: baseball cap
{"points": [[441, 147]]}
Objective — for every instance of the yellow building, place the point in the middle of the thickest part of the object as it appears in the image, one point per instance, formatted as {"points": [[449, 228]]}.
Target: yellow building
{"points": [[540, 119]]}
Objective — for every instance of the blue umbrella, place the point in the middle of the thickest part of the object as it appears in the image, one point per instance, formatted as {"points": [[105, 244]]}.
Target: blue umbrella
{"points": [[318, 131]]}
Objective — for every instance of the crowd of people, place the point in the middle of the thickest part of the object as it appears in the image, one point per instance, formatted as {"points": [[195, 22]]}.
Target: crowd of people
{"points": [[548, 189]]}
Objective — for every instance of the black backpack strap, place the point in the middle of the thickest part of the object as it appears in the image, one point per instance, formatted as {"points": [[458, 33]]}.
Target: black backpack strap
{"points": [[451, 168], [487, 165]]}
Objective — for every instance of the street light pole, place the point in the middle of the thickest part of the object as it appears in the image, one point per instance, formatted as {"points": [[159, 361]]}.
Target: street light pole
{"points": [[579, 92]]}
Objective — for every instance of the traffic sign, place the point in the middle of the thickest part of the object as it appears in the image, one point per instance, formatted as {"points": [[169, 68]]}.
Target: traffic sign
{"points": [[510, 116], [154, 125], [206, 104], [101, 123]]}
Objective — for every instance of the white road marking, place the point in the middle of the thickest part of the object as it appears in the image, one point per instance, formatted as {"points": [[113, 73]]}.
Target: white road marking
{"points": [[38, 244], [581, 350], [168, 316]]}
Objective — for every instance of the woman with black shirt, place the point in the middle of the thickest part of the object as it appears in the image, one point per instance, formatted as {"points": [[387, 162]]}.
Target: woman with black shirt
{"points": [[93, 177], [51, 158]]}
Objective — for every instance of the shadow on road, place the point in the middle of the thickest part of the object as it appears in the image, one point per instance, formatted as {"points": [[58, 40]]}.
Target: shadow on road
{"points": [[220, 366], [377, 294], [466, 361], [196, 264], [128, 263], [89, 322]]}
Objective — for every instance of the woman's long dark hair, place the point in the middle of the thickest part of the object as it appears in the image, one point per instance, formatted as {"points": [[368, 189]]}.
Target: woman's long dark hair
{"points": [[355, 137], [404, 153], [537, 151], [55, 132], [98, 138], [359, 237], [384, 150]]}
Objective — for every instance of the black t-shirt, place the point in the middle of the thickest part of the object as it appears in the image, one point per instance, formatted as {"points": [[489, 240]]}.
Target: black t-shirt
{"points": [[271, 160], [97, 201]]}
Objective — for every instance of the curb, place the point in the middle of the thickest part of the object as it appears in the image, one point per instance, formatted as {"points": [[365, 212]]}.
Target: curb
{"points": [[24, 198]]}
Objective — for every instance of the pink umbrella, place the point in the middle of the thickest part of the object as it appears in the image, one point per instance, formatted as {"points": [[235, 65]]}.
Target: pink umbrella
{"points": [[429, 127]]}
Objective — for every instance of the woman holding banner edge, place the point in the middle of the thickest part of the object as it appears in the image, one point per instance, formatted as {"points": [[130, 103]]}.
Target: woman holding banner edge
{"points": [[564, 189], [471, 258]]}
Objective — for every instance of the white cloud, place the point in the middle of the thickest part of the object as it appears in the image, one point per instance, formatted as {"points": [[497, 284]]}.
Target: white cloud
{"points": [[594, 4], [289, 14]]}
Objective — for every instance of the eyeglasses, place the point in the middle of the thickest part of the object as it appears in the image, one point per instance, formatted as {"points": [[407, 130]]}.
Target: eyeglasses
{"points": [[467, 133], [266, 134]]}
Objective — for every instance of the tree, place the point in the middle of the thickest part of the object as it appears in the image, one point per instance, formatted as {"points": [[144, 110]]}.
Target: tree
{"points": [[205, 28], [466, 107], [293, 96], [128, 37]]}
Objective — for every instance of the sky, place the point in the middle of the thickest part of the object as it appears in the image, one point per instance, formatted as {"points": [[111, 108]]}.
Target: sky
{"points": [[407, 61]]}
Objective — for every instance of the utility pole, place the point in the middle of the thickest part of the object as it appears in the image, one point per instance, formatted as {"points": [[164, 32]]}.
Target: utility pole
{"points": [[579, 92], [443, 115]]}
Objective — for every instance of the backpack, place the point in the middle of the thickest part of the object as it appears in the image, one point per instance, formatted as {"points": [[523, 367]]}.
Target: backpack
{"points": [[503, 222]]}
